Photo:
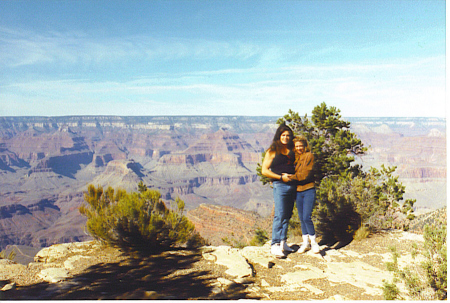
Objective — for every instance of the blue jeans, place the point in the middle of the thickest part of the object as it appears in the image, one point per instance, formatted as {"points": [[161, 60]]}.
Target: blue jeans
{"points": [[305, 204], [284, 197]]}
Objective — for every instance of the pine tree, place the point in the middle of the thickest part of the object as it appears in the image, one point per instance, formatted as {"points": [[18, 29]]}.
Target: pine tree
{"points": [[330, 138]]}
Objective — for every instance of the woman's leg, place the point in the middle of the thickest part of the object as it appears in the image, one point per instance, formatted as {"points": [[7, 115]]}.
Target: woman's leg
{"points": [[283, 195], [305, 204], [309, 197], [308, 205], [289, 201], [276, 223], [299, 204]]}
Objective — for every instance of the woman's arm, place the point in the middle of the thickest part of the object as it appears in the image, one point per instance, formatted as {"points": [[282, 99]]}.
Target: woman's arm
{"points": [[304, 170], [265, 169]]}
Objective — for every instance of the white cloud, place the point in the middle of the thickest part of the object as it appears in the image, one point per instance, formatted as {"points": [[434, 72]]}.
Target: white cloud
{"points": [[409, 88], [21, 48]]}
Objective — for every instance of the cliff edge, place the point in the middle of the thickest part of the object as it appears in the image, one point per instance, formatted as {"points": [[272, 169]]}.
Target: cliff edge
{"points": [[88, 270]]}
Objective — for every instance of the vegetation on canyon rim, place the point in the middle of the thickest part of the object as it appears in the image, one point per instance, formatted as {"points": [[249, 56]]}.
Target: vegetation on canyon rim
{"points": [[10, 256], [137, 221], [349, 198], [428, 280]]}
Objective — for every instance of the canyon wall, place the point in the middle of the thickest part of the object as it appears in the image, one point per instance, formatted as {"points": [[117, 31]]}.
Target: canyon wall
{"points": [[46, 164]]}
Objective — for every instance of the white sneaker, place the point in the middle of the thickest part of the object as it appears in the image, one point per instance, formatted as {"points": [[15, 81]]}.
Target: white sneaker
{"points": [[285, 247], [276, 250], [304, 247], [315, 248]]}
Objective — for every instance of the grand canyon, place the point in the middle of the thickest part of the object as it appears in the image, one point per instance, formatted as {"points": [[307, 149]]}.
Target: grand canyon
{"points": [[209, 162]]}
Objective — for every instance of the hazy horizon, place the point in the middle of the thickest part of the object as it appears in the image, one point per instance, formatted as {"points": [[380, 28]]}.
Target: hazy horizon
{"points": [[369, 117]]}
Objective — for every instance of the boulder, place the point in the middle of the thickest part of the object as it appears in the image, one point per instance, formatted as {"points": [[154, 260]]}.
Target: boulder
{"points": [[58, 251], [54, 274], [258, 255], [231, 258]]}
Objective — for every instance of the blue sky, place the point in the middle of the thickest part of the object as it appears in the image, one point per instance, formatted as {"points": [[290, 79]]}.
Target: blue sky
{"points": [[367, 58]]}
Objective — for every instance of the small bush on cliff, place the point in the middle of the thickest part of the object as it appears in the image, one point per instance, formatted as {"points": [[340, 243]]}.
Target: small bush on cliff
{"points": [[11, 256], [138, 221], [233, 241], [373, 200], [260, 237], [427, 281]]}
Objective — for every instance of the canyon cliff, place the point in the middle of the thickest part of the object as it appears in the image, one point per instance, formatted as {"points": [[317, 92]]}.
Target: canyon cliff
{"points": [[46, 164]]}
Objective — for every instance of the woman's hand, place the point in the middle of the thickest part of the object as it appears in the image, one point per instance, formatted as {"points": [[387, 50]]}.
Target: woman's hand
{"points": [[286, 177], [290, 176]]}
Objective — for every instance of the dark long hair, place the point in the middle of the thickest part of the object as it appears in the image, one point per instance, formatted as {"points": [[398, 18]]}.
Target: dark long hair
{"points": [[276, 145]]}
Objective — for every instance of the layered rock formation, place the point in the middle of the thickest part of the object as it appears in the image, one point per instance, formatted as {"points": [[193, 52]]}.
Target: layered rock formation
{"points": [[202, 160], [419, 153]]}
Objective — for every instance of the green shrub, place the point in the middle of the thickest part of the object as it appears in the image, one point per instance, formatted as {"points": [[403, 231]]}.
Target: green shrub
{"points": [[427, 281], [233, 241], [337, 218], [436, 259], [260, 238], [11, 256], [346, 202], [195, 241], [135, 221], [330, 138], [390, 291]]}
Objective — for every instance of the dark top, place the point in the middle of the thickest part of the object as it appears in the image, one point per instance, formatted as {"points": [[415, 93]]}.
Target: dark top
{"points": [[283, 163]]}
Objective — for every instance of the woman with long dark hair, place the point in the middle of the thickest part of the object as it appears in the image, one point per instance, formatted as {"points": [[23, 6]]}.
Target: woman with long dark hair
{"points": [[277, 165]]}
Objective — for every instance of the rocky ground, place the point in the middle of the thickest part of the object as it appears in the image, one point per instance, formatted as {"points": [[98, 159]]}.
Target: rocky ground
{"points": [[88, 270]]}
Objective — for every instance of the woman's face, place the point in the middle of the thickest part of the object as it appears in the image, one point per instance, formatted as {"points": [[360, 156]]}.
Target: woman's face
{"points": [[284, 138], [300, 147]]}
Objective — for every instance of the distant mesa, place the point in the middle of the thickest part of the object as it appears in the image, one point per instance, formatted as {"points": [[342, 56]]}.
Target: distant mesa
{"points": [[220, 141], [65, 165], [66, 129], [125, 174], [383, 129], [218, 154], [361, 128], [435, 133]]}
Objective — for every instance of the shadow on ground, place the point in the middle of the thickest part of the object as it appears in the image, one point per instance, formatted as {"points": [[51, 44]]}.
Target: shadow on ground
{"points": [[169, 275]]}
